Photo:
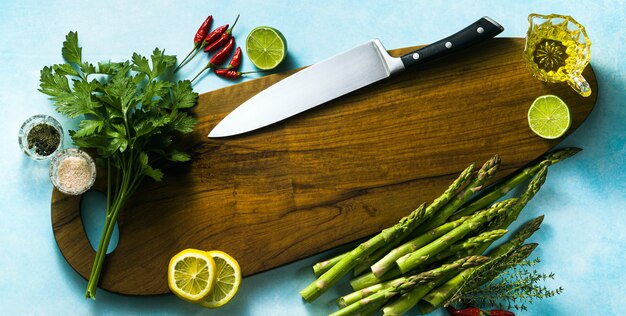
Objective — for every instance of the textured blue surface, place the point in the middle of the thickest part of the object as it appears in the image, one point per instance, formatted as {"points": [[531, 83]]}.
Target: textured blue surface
{"points": [[583, 238]]}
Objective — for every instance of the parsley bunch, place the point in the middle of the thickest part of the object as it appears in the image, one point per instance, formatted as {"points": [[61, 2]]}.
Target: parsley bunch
{"points": [[131, 111]]}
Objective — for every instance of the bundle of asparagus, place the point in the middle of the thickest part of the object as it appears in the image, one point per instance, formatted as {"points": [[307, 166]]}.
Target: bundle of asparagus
{"points": [[435, 252]]}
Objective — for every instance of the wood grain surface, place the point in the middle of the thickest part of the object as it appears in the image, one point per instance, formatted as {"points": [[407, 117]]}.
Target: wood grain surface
{"points": [[326, 177]]}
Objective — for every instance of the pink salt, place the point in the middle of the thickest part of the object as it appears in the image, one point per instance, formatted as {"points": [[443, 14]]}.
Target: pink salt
{"points": [[74, 174]]}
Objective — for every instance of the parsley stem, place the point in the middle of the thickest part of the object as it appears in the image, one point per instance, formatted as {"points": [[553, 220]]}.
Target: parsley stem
{"points": [[102, 247], [107, 223], [108, 185], [129, 183]]}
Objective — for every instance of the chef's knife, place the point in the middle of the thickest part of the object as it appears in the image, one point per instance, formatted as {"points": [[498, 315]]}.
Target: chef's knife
{"points": [[339, 75]]}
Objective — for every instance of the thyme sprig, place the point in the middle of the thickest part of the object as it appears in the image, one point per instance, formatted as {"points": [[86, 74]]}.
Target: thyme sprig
{"points": [[516, 285]]}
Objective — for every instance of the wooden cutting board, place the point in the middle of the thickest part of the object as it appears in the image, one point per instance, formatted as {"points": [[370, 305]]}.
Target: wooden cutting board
{"points": [[328, 176]]}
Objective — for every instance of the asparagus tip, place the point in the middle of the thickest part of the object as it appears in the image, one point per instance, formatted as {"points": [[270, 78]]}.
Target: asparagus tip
{"points": [[530, 246], [561, 154]]}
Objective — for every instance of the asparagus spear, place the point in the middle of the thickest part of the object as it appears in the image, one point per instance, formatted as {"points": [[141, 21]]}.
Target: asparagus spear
{"points": [[499, 190], [381, 268], [524, 233], [365, 292], [417, 258], [461, 181], [450, 288], [368, 304], [533, 188], [406, 284], [442, 294], [323, 266], [369, 279], [426, 277], [465, 246], [409, 299], [485, 173], [319, 286]]}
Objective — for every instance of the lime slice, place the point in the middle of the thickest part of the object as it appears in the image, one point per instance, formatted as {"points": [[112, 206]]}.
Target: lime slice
{"points": [[549, 117], [266, 47], [191, 274], [227, 280]]}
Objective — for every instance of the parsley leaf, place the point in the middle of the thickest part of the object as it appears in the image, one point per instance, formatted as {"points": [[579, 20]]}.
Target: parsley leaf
{"points": [[155, 91], [70, 51], [183, 95], [87, 68], [141, 64], [161, 62], [179, 156], [53, 84], [88, 127], [155, 174], [184, 123], [121, 90], [110, 68], [65, 69]]}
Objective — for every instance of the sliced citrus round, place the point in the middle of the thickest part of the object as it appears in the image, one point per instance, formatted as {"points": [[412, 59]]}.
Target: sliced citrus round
{"points": [[266, 47], [191, 274], [549, 117], [227, 280]]}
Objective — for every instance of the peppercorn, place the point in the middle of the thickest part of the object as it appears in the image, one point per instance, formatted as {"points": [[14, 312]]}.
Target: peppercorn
{"points": [[44, 139]]}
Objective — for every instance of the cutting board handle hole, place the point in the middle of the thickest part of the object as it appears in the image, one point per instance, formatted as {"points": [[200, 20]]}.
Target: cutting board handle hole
{"points": [[93, 213]]}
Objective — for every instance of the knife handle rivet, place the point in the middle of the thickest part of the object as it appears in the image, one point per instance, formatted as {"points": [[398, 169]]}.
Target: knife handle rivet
{"points": [[416, 56], [480, 30], [448, 44]]}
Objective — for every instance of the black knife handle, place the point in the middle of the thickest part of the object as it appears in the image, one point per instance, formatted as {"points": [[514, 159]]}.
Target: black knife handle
{"points": [[478, 31]]}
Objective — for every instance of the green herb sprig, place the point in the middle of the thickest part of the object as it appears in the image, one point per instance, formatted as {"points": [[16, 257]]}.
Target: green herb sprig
{"points": [[131, 113], [516, 285]]}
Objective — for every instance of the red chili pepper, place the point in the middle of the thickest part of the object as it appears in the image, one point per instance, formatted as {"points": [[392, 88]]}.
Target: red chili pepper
{"points": [[210, 38], [222, 40], [227, 73], [218, 43], [218, 58], [203, 30], [470, 311], [498, 312], [236, 60], [214, 35], [232, 74], [197, 41]]}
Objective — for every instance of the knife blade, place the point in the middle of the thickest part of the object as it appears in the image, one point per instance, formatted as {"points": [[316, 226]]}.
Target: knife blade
{"points": [[321, 82]]}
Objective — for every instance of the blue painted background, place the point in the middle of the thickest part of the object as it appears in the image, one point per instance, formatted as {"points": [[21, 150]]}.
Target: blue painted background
{"points": [[583, 238]]}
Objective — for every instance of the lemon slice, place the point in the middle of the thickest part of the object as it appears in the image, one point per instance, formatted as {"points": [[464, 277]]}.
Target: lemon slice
{"points": [[549, 117], [227, 280], [266, 47], [191, 274]]}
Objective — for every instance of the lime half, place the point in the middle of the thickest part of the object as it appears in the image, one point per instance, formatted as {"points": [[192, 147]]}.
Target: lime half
{"points": [[549, 117], [266, 47]]}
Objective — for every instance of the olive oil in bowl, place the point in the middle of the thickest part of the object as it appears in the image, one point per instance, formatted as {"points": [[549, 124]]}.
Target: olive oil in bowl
{"points": [[558, 49]]}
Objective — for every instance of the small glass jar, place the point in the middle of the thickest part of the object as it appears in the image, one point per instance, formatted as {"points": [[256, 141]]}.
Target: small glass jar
{"points": [[26, 128], [88, 171]]}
